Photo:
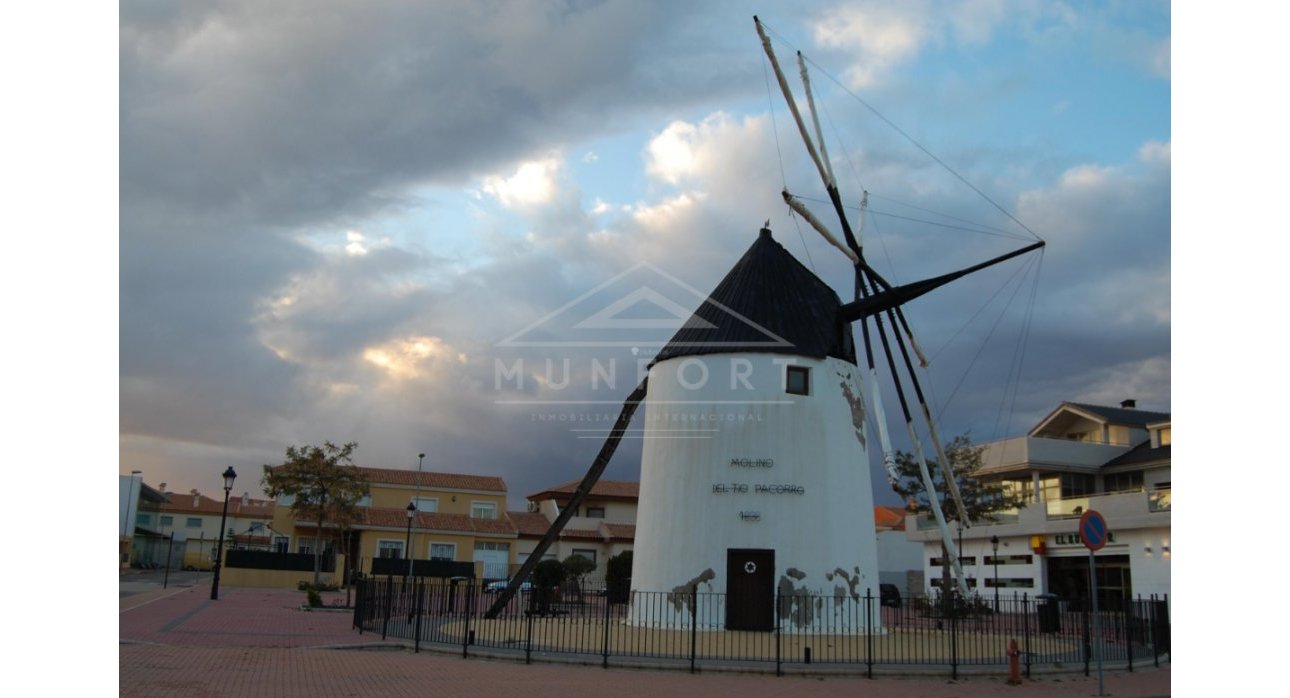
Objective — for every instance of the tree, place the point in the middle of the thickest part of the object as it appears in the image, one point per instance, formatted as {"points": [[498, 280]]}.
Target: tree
{"points": [[547, 577], [982, 498], [578, 567], [618, 577], [324, 485]]}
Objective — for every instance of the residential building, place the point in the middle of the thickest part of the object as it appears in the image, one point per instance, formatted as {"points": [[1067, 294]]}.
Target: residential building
{"points": [[458, 517], [134, 499], [1115, 461], [603, 526], [194, 521]]}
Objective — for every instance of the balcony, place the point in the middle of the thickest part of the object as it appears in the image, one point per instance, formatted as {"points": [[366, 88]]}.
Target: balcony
{"points": [[1034, 452]]}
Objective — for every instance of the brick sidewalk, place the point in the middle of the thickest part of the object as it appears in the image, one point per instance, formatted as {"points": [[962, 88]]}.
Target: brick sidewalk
{"points": [[259, 642]]}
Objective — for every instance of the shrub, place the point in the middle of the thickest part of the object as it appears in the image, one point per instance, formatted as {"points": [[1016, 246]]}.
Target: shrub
{"points": [[618, 577]]}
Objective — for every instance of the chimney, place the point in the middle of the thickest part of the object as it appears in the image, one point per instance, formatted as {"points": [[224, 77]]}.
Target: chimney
{"points": [[246, 499], [1128, 404], [162, 488]]}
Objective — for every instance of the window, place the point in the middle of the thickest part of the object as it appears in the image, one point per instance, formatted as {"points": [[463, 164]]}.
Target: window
{"points": [[194, 522], [589, 554], [595, 512], [305, 545], [1066, 486], [389, 549], [257, 526], [426, 504], [797, 380], [280, 544], [1123, 482], [443, 551], [167, 521], [483, 510], [143, 519]]}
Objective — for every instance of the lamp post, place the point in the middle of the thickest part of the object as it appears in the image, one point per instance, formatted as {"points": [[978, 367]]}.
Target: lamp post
{"points": [[994, 543], [412, 512], [229, 476], [413, 507]]}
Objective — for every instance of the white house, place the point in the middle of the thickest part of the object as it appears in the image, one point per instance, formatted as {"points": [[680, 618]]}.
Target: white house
{"points": [[1115, 461]]}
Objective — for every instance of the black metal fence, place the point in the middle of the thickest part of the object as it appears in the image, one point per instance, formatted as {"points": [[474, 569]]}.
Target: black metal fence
{"points": [[686, 628]]}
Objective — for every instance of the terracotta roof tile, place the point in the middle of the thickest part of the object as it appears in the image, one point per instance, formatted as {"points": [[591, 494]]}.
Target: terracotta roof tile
{"points": [[529, 523], [184, 504], [437, 521], [619, 531], [889, 518], [456, 481], [608, 489]]}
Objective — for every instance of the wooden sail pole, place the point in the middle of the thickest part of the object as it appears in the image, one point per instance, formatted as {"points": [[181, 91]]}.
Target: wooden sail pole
{"points": [[584, 488]]}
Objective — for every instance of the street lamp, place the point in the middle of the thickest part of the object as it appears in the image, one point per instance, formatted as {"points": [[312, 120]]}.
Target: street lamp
{"points": [[412, 511], [229, 476], [994, 543]]}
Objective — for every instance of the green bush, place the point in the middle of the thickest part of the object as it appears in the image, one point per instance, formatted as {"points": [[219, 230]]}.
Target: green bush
{"points": [[618, 577], [315, 598]]}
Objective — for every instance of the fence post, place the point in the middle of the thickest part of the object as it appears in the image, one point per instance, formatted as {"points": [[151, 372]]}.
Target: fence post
{"points": [[470, 613], [954, 636], [528, 635], [420, 589], [868, 626], [358, 606], [1128, 630], [694, 622], [779, 665], [389, 599], [1088, 636], [1151, 614], [1025, 627], [604, 655]]}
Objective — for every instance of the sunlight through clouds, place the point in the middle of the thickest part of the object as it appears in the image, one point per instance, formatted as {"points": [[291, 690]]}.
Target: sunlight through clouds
{"points": [[404, 359], [532, 184]]}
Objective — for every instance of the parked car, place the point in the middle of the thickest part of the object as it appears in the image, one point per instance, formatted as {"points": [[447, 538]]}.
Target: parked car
{"points": [[498, 586], [889, 595]]}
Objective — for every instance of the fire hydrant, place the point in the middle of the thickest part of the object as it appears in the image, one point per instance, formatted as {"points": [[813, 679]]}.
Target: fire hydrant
{"points": [[1014, 668]]}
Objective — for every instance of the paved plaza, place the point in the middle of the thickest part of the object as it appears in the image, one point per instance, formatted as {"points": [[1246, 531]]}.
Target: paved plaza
{"points": [[255, 642]]}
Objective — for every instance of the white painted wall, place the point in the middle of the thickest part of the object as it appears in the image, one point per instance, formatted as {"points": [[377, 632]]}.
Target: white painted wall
{"points": [[695, 426]]}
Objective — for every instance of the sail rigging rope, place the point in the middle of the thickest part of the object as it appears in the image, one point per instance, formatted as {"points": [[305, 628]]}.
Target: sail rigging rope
{"points": [[770, 30], [779, 152]]}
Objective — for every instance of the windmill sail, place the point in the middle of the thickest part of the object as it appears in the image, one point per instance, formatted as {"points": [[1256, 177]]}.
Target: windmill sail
{"points": [[884, 300]]}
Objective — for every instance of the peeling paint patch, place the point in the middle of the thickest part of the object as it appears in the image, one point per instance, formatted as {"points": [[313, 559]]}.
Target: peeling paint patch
{"points": [[857, 411], [796, 603], [853, 581], [679, 597]]}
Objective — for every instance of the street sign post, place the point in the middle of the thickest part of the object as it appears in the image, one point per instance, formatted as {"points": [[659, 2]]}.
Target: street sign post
{"points": [[1093, 534]]}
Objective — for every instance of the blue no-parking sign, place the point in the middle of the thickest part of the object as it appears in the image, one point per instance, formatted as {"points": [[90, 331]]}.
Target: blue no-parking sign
{"points": [[1092, 530]]}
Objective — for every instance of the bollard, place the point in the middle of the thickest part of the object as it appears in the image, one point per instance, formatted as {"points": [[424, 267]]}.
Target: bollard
{"points": [[1014, 665]]}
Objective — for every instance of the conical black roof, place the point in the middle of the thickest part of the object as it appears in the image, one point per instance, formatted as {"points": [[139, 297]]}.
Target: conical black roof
{"points": [[768, 303]]}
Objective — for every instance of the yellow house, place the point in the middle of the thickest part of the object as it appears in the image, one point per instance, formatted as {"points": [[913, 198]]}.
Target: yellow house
{"points": [[458, 517]]}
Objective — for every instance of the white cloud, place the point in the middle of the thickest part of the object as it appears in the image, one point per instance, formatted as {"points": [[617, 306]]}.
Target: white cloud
{"points": [[532, 184], [879, 37], [354, 243]]}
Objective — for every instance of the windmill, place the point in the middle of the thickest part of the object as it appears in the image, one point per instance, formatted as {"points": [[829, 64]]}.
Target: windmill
{"points": [[776, 501]]}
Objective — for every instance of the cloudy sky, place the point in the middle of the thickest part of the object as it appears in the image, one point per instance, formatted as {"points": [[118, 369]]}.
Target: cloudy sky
{"points": [[333, 215]]}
